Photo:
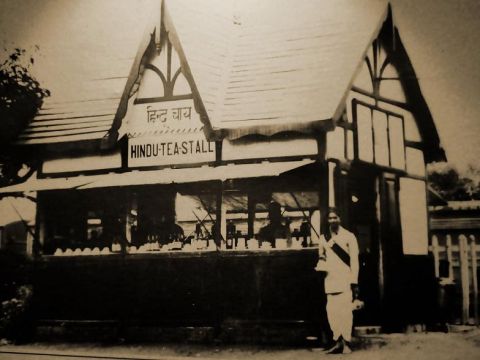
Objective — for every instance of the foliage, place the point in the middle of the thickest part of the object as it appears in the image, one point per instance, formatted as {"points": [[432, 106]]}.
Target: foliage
{"points": [[452, 184], [15, 319], [20, 94], [15, 296], [20, 98]]}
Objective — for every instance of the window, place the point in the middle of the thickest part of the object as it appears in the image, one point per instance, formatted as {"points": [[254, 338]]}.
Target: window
{"points": [[79, 223], [413, 212], [380, 136], [260, 218]]}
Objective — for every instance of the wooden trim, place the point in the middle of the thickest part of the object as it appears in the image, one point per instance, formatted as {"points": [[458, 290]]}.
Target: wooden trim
{"points": [[174, 79], [162, 99], [355, 103], [321, 138], [381, 98], [160, 74], [413, 144]]}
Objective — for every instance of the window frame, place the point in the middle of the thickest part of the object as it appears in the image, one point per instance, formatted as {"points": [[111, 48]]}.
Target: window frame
{"points": [[355, 104]]}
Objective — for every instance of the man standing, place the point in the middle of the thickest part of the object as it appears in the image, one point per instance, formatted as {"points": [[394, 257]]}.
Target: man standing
{"points": [[339, 258]]}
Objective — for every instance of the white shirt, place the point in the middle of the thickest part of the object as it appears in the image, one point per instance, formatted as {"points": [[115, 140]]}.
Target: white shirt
{"points": [[339, 275]]}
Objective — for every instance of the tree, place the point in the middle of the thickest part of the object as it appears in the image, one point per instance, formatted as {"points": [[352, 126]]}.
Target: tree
{"points": [[20, 98], [453, 185]]}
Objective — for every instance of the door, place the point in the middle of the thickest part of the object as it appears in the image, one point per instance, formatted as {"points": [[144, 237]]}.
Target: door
{"points": [[361, 219], [390, 252]]}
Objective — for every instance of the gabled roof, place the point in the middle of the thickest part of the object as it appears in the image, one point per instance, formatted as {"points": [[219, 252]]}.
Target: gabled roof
{"points": [[256, 67], [85, 58], [269, 66]]}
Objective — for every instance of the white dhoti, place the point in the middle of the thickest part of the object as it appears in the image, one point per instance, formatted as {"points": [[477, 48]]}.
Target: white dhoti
{"points": [[340, 316]]}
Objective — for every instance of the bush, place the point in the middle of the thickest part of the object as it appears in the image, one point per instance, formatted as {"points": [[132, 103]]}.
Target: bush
{"points": [[15, 297], [16, 320]]}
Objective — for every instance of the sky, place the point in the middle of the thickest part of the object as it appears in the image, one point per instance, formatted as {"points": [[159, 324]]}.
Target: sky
{"points": [[442, 38]]}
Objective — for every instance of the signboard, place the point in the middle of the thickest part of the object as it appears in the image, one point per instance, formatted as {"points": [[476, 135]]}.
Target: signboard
{"points": [[162, 116], [167, 133], [170, 149]]}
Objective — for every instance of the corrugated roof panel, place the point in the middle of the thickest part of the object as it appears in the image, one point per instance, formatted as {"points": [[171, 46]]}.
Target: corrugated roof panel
{"points": [[85, 120], [259, 67], [200, 39], [277, 63], [77, 125], [67, 132], [64, 138]]}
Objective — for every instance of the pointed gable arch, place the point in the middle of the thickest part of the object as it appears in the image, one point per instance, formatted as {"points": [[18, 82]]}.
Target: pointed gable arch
{"points": [[386, 80], [162, 126], [163, 76]]}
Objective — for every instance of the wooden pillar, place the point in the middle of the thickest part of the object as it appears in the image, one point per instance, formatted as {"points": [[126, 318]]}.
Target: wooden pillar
{"points": [[40, 227], [381, 274], [220, 217], [30, 240], [342, 195], [464, 279], [473, 249], [436, 258], [251, 215], [331, 184]]}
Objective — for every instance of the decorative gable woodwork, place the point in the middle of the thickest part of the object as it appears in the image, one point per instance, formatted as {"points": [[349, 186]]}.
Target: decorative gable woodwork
{"points": [[163, 78]]}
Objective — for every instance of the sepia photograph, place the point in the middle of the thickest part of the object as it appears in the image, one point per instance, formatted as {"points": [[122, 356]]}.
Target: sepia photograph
{"points": [[222, 179]]}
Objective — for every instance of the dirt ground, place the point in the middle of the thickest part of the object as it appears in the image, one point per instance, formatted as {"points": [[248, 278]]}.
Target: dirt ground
{"points": [[434, 346]]}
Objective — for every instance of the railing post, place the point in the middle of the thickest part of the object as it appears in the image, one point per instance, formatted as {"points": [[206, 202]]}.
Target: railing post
{"points": [[463, 249], [473, 248], [448, 249]]}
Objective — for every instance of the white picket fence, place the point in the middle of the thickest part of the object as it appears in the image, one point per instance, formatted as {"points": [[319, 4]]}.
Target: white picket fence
{"points": [[461, 253]]}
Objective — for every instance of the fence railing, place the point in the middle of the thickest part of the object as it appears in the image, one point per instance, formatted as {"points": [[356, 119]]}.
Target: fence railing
{"points": [[456, 263]]}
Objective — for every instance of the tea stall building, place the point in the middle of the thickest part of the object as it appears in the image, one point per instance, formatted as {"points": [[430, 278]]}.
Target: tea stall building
{"points": [[151, 200]]}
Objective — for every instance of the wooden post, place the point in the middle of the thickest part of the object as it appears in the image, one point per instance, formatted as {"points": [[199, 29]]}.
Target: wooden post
{"points": [[220, 218], [331, 184], [436, 257], [251, 215], [473, 248], [30, 240], [463, 249], [381, 265], [448, 249]]}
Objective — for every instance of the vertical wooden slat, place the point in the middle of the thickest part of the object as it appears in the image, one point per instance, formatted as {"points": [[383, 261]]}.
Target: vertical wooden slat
{"points": [[436, 255], [448, 249], [463, 247], [473, 249]]}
